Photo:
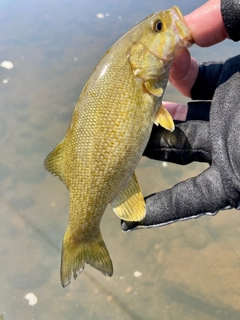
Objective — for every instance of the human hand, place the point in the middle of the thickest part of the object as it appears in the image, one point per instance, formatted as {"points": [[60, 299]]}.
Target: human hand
{"points": [[207, 28], [216, 142]]}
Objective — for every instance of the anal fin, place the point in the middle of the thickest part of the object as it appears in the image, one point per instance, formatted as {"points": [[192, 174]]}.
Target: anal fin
{"points": [[164, 119], [130, 205]]}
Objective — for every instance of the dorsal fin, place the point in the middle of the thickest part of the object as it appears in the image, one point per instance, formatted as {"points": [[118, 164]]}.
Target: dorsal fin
{"points": [[54, 161]]}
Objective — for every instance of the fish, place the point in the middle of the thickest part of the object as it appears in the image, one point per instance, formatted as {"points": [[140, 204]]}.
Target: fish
{"points": [[108, 132]]}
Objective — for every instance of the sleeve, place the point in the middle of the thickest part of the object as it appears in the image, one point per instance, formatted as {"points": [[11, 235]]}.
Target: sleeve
{"points": [[231, 17], [213, 74], [207, 79]]}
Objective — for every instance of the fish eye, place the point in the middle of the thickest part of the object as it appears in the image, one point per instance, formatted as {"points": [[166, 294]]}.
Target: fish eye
{"points": [[157, 25]]}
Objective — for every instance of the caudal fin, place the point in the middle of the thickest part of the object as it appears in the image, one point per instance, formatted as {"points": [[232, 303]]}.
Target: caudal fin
{"points": [[74, 257]]}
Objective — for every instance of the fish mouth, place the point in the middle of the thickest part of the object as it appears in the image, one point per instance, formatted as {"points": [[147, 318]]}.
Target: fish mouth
{"points": [[181, 27], [178, 12], [181, 38]]}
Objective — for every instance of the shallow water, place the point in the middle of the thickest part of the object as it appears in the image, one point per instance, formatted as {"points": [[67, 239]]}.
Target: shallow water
{"points": [[188, 270]]}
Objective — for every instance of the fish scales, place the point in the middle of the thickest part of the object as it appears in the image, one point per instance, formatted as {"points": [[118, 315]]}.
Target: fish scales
{"points": [[108, 133]]}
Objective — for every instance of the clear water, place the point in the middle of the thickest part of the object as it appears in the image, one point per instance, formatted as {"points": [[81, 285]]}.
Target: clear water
{"points": [[188, 270]]}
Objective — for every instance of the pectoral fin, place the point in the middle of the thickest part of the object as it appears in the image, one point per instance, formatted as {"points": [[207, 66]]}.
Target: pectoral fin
{"points": [[164, 119], [129, 205], [155, 91]]}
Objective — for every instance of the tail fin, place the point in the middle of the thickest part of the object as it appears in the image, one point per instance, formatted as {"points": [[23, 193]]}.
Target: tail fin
{"points": [[74, 257]]}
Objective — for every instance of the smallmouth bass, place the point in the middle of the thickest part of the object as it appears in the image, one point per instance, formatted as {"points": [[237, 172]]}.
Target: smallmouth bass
{"points": [[108, 132]]}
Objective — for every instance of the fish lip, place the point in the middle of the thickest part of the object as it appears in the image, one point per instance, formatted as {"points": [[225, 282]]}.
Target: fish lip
{"points": [[188, 38], [178, 12]]}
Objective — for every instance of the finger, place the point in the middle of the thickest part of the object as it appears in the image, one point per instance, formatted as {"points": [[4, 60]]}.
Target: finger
{"points": [[183, 72], [206, 24], [197, 110], [187, 143], [178, 111], [190, 199]]}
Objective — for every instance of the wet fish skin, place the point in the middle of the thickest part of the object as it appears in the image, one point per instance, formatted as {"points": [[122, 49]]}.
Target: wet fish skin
{"points": [[107, 135]]}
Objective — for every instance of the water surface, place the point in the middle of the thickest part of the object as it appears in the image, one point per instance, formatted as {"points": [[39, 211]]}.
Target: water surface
{"points": [[186, 270]]}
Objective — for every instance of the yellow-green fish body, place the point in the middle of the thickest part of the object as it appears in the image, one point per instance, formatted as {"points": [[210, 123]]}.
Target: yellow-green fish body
{"points": [[107, 135]]}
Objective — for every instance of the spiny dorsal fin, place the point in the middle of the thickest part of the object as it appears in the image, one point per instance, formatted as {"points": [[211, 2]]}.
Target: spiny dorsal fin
{"points": [[54, 161], [129, 205]]}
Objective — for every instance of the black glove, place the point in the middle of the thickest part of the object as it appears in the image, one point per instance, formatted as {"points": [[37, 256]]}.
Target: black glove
{"points": [[216, 142]]}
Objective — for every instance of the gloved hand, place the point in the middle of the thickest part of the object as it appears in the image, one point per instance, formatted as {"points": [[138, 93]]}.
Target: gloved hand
{"points": [[216, 142]]}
